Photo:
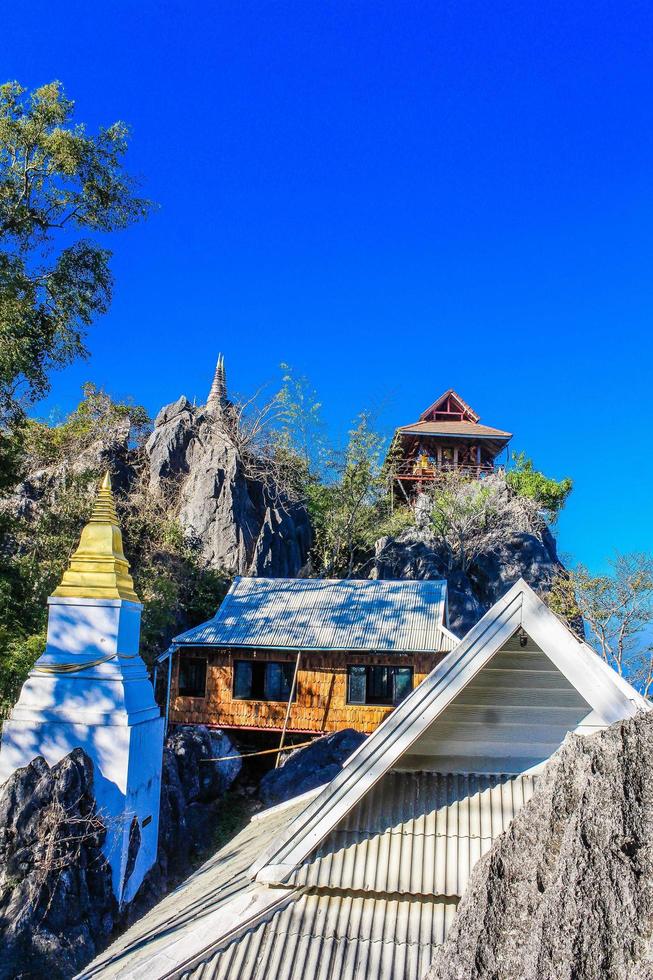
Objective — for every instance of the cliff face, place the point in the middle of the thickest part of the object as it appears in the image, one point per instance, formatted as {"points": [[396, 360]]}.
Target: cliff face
{"points": [[236, 521], [567, 891]]}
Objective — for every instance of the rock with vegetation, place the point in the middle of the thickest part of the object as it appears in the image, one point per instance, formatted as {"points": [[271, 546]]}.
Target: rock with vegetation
{"points": [[482, 536], [312, 766], [57, 908], [56, 902], [240, 522], [567, 891]]}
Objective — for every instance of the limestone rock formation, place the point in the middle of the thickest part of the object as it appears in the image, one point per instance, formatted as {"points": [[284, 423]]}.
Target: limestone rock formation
{"points": [[236, 521], [520, 546], [309, 767], [567, 891], [56, 901]]}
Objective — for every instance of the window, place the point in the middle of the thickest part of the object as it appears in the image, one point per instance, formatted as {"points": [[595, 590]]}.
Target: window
{"points": [[256, 680], [378, 685], [192, 677]]}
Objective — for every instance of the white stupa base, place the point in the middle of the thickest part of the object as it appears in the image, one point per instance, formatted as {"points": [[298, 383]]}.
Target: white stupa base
{"points": [[127, 781], [108, 710]]}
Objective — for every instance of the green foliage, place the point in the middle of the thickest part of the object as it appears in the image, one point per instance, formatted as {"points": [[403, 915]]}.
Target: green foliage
{"points": [[300, 429], [176, 591], [56, 182], [348, 511], [18, 654], [525, 480], [95, 419]]}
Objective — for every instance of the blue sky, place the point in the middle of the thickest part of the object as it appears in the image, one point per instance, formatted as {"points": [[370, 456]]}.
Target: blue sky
{"points": [[395, 198]]}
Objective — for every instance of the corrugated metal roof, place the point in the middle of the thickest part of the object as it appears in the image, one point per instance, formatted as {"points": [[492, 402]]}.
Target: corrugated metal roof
{"points": [[470, 430], [325, 936], [374, 902], [317, 614], [416, 833], [383, 887], [218, 882]]}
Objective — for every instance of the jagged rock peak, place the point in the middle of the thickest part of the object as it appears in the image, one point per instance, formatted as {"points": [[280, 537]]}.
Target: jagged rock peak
{"points": [[567, 891], [238, 524]]}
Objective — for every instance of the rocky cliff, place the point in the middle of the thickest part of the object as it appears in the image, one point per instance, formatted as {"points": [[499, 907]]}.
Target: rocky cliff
{"points": [[567, 891], [518, 544], [238, 524]]}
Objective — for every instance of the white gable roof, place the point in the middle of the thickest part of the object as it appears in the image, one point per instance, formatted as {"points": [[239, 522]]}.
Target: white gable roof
{"points": [[610, 696]]}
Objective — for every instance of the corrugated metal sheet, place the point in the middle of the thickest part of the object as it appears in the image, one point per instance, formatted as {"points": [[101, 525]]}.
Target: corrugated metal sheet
{"points": [[327, 936], [314, 614], [373, 904], [416, 833], [220, 880]]}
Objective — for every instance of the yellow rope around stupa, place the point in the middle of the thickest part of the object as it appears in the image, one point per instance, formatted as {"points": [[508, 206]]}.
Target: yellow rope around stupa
{"points": [[71, 668], [98, 568]]}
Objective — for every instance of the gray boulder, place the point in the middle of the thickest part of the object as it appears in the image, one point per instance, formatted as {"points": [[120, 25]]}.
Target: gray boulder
{"points": [[167, 444], [567, 891], [309, 767], [522, 546], [202, 781]]}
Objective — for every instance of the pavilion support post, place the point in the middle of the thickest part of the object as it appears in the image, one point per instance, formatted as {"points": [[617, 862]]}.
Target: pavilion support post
{"points": [[290, 700], [168, 685]]}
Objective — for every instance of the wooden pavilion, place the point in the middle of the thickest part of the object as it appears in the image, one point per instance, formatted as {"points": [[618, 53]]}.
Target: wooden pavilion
{"points": [[447, 436]]}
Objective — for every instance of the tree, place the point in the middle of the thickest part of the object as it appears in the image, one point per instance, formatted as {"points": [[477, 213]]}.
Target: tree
{"points": [[617, 610], [347, 512], [300, 429], [551, 495], [56, 182]]}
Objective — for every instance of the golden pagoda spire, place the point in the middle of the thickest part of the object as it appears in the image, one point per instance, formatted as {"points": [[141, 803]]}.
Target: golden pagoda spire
{"points": [[98, 568]]}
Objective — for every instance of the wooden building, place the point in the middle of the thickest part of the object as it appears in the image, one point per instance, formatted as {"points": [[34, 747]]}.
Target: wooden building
{"points": [[308, 655], [447, 436]]}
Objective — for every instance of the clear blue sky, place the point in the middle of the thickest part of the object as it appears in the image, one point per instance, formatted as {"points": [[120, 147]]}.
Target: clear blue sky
{"points": [[395, 198]]}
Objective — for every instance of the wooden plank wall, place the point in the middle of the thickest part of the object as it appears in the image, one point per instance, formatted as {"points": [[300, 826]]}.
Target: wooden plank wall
{"points": [[320, 704]]}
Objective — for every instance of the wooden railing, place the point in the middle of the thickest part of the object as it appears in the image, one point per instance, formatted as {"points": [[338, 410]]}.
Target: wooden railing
{"points": [[415, 472]]}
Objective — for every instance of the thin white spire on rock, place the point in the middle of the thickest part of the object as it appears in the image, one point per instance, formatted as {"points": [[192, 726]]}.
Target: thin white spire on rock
{"points": [[218, 393]]}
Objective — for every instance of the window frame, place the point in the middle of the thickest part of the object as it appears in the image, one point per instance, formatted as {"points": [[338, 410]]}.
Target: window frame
{"points": [[185, 661], [369, 668], [287, 668]]}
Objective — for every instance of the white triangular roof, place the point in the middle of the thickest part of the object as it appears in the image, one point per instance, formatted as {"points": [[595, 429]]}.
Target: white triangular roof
{"points": [[610, 697]]}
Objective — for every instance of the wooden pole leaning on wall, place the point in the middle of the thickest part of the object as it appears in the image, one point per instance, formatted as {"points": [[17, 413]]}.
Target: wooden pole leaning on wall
{"points": [[290, 699]]}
